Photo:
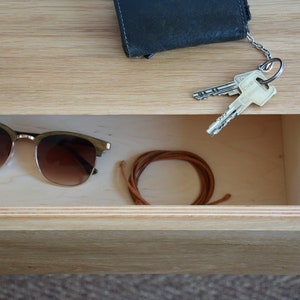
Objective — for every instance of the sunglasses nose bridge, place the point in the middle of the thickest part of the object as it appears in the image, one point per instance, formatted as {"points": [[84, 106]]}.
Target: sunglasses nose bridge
{"points": [[25, 136]]}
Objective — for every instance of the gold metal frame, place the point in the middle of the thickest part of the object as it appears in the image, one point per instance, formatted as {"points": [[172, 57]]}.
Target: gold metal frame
{"points": [[100, 145]]}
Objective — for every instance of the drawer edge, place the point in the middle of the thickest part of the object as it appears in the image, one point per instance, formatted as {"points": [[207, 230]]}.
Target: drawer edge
{"points": [[265, 218]]}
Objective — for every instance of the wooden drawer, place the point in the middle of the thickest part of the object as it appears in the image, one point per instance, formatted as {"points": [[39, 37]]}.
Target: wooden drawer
{"points": [[64, 69], [95, 227]]}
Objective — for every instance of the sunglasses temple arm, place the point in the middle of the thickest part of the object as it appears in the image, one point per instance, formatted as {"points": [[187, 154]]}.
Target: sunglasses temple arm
{"points": [[87, 166]]}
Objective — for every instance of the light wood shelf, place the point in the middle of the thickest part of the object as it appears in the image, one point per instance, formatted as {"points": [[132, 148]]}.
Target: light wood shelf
{"points": [[65, 57], [63, 67]]}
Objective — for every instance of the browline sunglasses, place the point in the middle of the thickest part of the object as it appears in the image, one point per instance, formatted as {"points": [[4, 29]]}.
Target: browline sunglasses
{"points": [[62, 157]]}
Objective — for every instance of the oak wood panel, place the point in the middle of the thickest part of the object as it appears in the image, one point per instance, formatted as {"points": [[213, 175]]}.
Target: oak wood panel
{"points": [[201, 252], [202, 240], [291, 142], [65, 57]]}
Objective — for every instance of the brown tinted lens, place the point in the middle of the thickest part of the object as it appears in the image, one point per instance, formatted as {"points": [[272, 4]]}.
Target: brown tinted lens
{"points": [[5, 146], [65, 159]]}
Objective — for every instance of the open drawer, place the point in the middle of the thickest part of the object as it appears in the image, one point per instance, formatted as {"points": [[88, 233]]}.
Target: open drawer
{"points": [[95, 227], [63, 68]]}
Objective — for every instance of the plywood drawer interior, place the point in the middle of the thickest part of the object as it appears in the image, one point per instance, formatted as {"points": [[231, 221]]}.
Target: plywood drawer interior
{"points": [[255, 159]]}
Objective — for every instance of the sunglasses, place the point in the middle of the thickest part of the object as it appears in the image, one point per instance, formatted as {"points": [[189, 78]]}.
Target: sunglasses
{"points": [[62, 157]]}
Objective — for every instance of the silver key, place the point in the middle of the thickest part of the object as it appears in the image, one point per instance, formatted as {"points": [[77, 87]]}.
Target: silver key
{"points": [[252, 91], [230, 88]]}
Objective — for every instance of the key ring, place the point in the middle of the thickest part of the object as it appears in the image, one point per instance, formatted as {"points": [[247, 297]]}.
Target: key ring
{"points": [[263, 67]]}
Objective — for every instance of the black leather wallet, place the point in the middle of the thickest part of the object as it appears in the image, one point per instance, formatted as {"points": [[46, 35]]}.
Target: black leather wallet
{"points": [[150, 26]]}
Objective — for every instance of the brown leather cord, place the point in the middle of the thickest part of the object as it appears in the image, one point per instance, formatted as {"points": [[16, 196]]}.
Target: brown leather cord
{"points": [[202, 168]]}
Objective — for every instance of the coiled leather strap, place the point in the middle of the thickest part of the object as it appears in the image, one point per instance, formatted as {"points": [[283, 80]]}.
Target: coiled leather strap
{"points": [[203, 170]]}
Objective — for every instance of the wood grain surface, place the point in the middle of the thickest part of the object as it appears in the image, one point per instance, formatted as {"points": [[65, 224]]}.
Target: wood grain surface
{"points": [[154, 252], [65, 57], [247, 160]]}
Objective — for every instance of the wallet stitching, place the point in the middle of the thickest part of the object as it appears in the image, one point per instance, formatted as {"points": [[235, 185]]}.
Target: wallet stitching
{"points": [[243, 17], [123, 27]]}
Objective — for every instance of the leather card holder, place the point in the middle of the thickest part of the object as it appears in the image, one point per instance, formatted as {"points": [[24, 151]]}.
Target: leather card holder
{"points": [[150, 26]]}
